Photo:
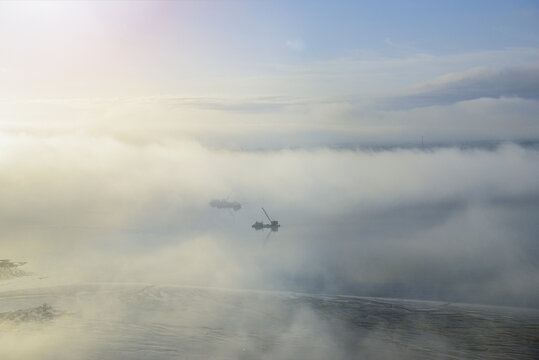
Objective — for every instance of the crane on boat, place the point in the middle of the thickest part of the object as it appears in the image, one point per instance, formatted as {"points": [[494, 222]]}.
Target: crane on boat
{"points": [[273, 224]]}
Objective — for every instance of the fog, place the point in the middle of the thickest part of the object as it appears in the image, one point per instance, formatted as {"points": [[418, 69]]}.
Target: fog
{"points": [[444, 223], [396, 145], [112, 249]]}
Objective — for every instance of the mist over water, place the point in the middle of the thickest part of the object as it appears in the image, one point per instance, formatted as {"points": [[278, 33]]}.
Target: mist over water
{"points": [[456, 225], [444, 224], [162, 322], [269, 180]]}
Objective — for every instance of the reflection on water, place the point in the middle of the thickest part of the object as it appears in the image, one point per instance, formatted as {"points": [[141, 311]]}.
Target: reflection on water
{"points": [[141, 322]]}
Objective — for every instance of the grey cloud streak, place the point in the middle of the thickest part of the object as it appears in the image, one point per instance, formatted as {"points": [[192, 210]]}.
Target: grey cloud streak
{"points": [[521, 82]]}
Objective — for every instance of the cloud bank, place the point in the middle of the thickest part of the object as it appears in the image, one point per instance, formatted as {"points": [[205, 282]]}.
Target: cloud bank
{"points": [[482, 104], [449, 224]]}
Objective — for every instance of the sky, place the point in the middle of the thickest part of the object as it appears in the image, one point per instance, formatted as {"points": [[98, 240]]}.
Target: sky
{"points": [[396, 143], [369, 72]]}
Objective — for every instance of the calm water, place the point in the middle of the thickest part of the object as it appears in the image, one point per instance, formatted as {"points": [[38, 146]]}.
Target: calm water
{"points": [[140, 321]]}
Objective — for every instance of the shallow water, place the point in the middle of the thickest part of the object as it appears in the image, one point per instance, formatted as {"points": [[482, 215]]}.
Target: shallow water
{"points": [[141, 321]]}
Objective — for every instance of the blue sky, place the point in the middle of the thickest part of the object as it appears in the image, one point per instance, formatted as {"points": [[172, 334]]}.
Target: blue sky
{"points": [[333, 29]]}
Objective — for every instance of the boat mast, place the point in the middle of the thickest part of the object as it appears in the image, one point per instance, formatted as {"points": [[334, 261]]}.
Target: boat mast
{"points": [[267, 215]]}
